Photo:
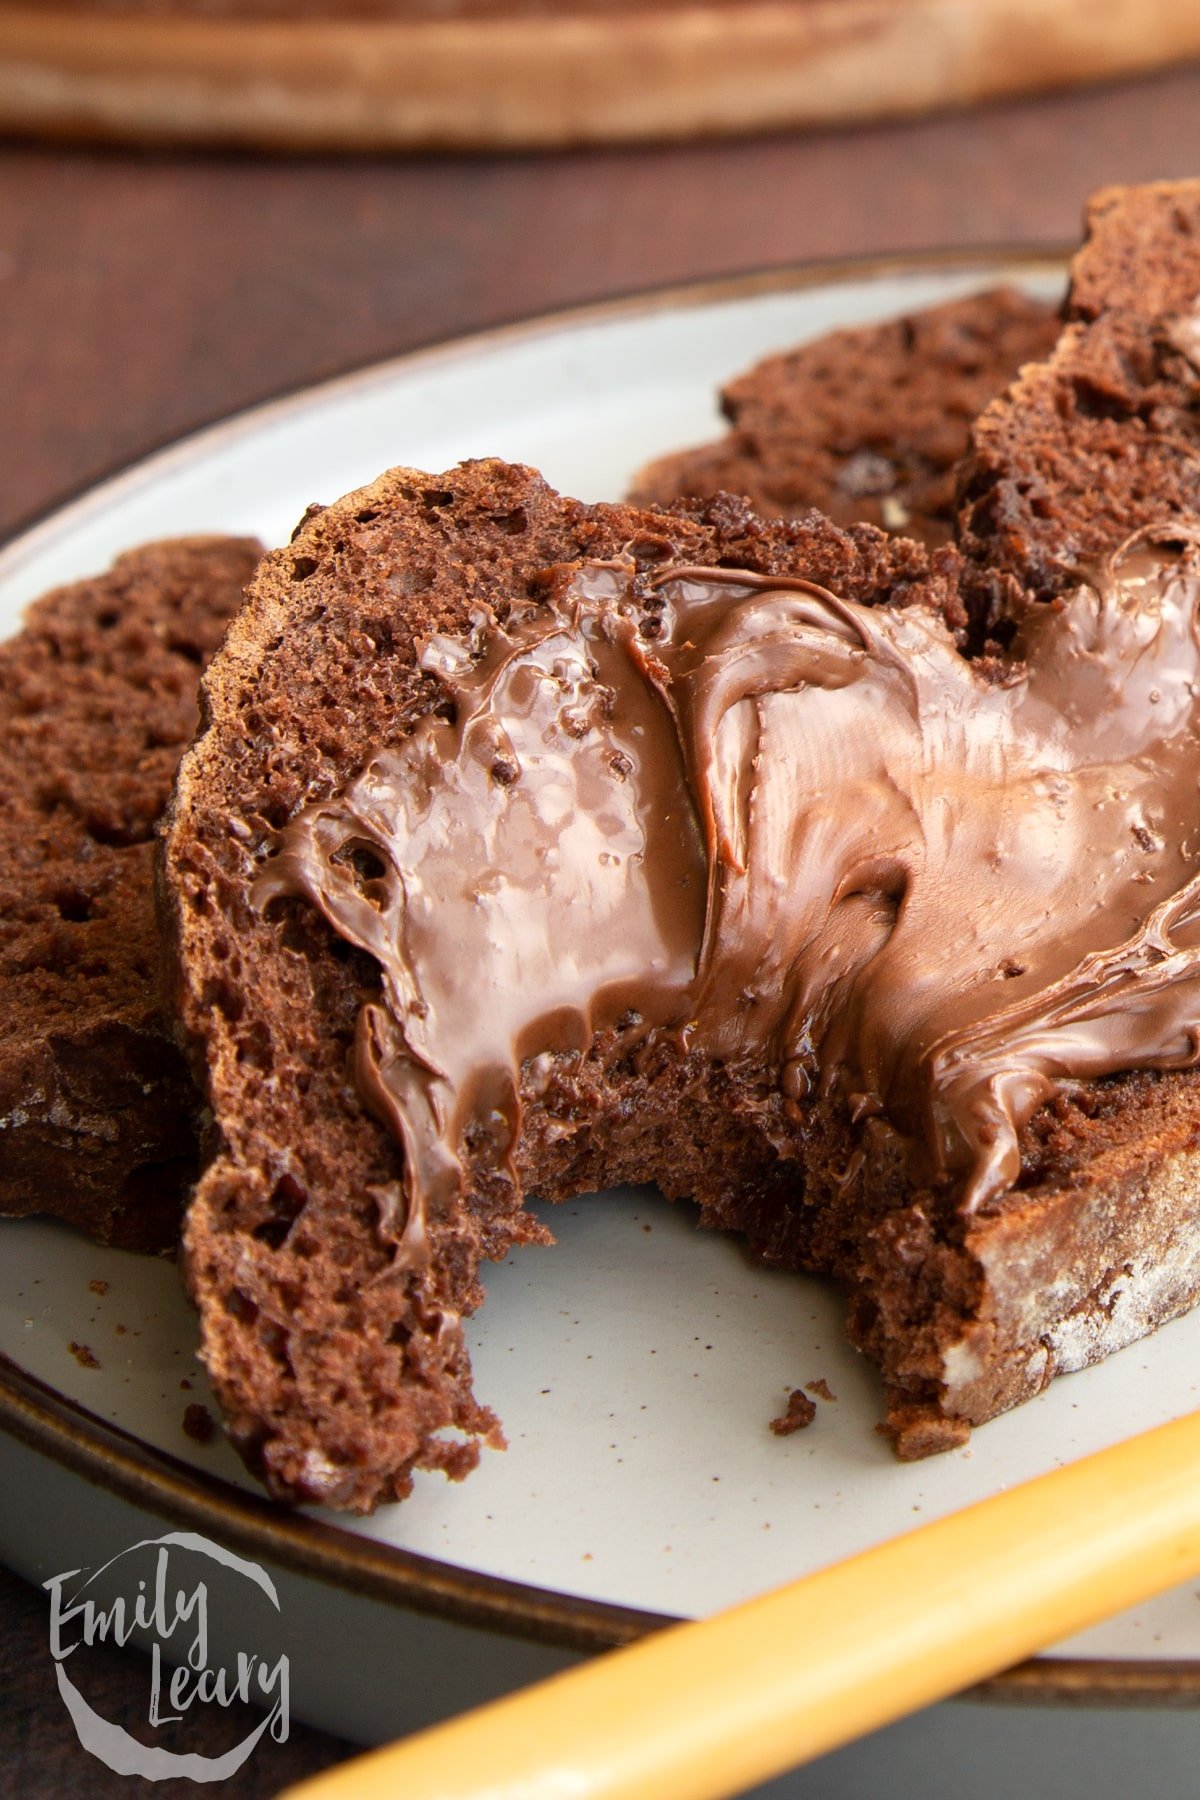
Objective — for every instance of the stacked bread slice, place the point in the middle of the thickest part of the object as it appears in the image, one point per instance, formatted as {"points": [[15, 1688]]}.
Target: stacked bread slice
{"points": [[99, 1117], [867, 424]]}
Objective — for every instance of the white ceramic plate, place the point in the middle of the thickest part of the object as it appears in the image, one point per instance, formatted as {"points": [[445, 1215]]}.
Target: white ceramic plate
{"points": [[637, 1365]]}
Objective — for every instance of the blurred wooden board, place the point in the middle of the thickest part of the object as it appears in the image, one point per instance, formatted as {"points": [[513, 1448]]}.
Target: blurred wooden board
{"points": [[383, 74]]}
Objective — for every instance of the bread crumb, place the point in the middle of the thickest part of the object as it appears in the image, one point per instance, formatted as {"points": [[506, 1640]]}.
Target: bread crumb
{"points": [[198, 1423], [821, 1389], [800, 1413], [83, 1355], [99, 1287]]}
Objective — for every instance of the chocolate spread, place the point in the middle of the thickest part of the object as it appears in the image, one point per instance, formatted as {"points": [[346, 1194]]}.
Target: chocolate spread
{"points": [[803, 835]]}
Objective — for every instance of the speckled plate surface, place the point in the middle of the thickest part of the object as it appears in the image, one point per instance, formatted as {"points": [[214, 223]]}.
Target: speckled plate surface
{"points": [[636, 1366]]}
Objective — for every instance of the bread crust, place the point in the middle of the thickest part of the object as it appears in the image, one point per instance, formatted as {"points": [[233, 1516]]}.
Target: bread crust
{"points": [[98, 1116]]}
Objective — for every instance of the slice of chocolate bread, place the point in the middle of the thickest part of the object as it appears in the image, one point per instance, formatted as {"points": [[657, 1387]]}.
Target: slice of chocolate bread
{"points": [[327, 1305], [1098, 1240], [98, 1114], [868, 423], [1103, 436], [533, 846]]}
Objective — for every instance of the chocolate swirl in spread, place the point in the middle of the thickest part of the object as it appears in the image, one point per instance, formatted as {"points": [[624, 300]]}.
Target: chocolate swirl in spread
{"points": [[801, 834]]}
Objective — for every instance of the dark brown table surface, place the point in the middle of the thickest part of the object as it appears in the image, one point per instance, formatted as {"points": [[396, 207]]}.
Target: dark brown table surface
{"points": [[143, 294]]}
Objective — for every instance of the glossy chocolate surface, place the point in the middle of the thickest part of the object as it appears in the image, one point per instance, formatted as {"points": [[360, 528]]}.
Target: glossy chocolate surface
{"points": [[796, 832]]}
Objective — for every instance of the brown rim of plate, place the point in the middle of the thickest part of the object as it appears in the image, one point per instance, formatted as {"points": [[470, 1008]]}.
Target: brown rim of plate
{"points": [[115, 1460]]}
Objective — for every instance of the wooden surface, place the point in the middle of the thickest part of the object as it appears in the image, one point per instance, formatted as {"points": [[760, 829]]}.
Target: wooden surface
{"points": [[522, 74], [144, 295]]}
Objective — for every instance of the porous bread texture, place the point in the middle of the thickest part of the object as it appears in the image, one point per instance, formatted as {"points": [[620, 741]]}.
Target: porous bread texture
{"points": [[322, 1348], [1097, 1243], [98, 1114], [1139, 251], [868, 423], [1104, 435]]}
